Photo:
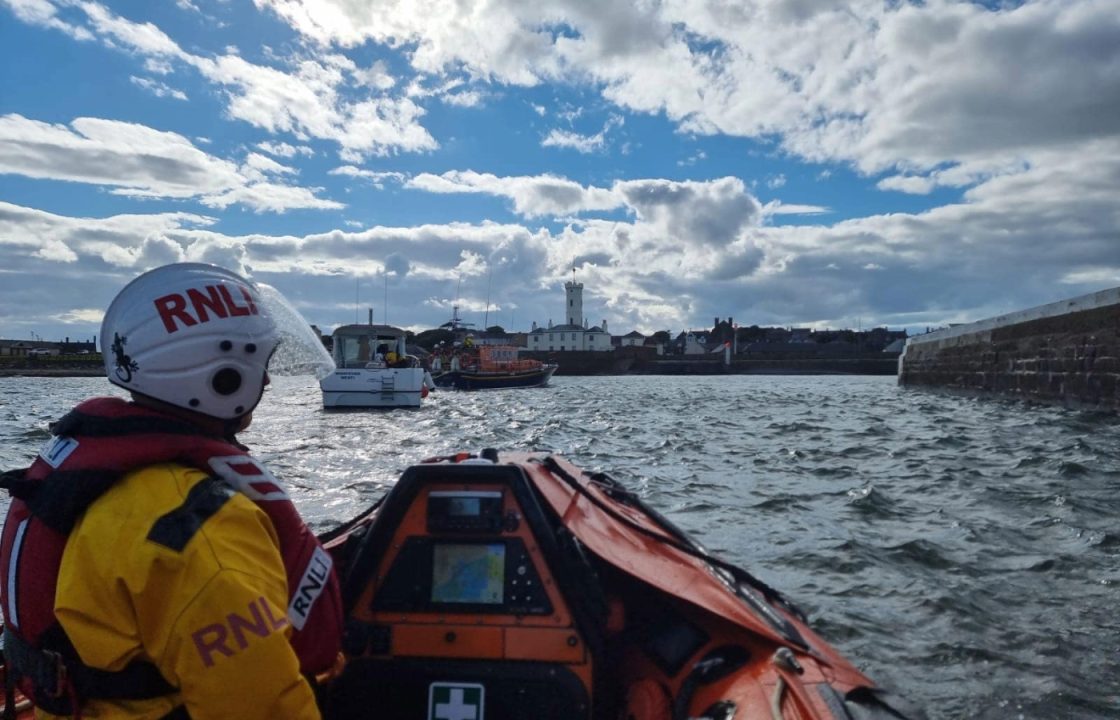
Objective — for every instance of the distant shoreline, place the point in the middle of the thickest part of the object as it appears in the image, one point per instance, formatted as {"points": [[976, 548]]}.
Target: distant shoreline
{"points": [[52, 372], [588, 363]]}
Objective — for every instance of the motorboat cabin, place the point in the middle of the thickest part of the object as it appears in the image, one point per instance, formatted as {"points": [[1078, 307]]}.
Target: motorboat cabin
{"points": [[373, 369]]}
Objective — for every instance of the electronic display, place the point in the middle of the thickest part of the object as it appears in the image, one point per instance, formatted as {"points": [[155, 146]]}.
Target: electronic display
{"points": [[470, 511], [468, 573], [464, 506]]}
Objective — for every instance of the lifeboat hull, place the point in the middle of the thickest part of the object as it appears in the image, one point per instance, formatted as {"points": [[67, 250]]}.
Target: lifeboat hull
{"points": [[496, 380]]}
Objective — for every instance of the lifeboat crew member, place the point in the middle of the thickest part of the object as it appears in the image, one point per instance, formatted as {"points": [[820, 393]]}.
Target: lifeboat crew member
{"points": [[152, 567]]}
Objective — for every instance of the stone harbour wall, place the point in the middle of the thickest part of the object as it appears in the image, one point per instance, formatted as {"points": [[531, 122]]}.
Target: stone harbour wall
{"points": [[1066, 352]]}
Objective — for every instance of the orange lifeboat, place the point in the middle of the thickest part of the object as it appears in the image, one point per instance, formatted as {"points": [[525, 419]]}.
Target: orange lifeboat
{"points": [[492, 367]]}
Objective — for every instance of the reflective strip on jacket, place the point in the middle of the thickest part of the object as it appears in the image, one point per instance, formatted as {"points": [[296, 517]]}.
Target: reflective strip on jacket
{"points": [[201, 593]]}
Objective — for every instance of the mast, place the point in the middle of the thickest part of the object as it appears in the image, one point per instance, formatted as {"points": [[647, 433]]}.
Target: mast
{"points": [[486, 317]]}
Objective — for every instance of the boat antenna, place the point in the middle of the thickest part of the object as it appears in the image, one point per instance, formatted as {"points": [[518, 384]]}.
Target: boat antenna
{"points": [[455, 307], [486, 317], [386, 274], [356, 281]]}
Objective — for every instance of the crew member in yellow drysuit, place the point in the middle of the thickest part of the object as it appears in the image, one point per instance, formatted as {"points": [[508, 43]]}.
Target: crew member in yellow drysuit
{"points": [[185, 585], [199, 614]]}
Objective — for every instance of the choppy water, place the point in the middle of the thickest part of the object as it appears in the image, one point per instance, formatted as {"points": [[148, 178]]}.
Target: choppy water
{"points": [[964, 552]]}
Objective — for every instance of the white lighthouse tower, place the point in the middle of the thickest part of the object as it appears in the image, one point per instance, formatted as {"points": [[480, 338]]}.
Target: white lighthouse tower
{"points": [[574, 334], [575, 302]]}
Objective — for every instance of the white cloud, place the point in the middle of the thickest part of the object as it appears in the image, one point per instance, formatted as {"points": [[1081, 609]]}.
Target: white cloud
{"points": [[466, 98], [914, 90], [377, 179], [157, 88], [581, 143], [912, 184], [909, 87], [376, 76], [43, 13], [1103, 277], [285, 150], [271, 197], [139, 161], [1015, 106], [691, 160], [144, 38], [532, 196], [305, 101], [86, 316], [777, 207], [683, 253], [157, 66], [257, 165], [567, 139]]}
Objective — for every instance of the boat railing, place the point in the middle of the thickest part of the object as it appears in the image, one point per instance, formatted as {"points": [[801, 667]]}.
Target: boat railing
{"points": [[510, 365]]}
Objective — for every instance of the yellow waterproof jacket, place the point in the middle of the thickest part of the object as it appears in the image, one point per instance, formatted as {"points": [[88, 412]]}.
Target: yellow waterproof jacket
{"points": [[209, 610]]}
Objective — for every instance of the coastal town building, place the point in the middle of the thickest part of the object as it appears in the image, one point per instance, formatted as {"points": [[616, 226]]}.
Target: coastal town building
{"points": [[695, 343], [574, 334], [34, 348], [632, 339]]}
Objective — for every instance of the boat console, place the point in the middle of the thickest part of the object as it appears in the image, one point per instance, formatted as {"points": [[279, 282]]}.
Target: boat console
{"points": [[526, 588], [455, 608]]}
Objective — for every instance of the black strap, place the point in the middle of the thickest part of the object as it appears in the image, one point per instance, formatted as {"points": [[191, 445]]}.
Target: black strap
{"points": [[53, 673], [76, 422], [18, 485], [176, 528], [64, 495], [179, 712], [9, 696]]}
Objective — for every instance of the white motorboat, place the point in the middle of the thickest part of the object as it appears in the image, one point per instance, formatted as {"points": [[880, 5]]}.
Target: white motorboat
{"points": [[373, 370]]}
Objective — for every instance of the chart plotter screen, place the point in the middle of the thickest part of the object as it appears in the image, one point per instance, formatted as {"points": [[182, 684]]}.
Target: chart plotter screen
{"points": [[468, 573]]}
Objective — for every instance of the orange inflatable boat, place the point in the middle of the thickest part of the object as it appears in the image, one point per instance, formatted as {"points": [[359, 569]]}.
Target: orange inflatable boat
{"points": [[517, 587]]}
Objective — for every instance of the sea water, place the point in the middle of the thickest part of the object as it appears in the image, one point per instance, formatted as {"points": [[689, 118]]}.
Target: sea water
{"points": [[963, 552]]}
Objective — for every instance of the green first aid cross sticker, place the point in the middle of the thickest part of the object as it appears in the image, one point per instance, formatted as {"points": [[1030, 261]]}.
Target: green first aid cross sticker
{"points": [[455, 701]]}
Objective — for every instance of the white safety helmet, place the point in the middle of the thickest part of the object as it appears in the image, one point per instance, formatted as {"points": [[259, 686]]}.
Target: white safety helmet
{"points": [[200, 337]]}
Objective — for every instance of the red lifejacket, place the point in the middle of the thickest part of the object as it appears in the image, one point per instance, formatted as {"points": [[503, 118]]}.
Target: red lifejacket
{"points": [[93, 446]]}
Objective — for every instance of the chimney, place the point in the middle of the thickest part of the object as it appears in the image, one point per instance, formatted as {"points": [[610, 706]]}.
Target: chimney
{"points": [[370, 316], [604, 324]]}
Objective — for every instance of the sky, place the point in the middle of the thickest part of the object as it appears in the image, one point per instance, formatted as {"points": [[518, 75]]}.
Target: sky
{"points": [[809, 163]]}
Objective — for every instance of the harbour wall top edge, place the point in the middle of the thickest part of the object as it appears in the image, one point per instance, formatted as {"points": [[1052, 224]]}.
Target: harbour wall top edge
{"points": [[1091, 301]]}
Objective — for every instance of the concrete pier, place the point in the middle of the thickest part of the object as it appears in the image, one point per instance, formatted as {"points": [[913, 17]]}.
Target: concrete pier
{"points": [[1066, 352]]}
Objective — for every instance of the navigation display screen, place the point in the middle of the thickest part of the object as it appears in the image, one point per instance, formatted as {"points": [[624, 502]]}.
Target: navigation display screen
{"points": [[468, 506], [468, 573]]}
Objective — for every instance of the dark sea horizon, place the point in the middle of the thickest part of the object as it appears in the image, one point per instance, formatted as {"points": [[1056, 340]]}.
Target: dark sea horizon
{"points": [[963, 552]]}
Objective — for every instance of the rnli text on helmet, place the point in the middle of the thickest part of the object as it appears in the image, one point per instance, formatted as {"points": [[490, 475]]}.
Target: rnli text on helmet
{"points": [[217, 300]]}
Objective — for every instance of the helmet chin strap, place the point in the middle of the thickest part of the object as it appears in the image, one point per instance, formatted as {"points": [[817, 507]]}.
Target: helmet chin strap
{"points": [[217, 427]]}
